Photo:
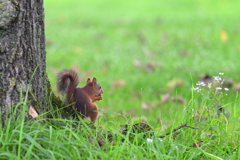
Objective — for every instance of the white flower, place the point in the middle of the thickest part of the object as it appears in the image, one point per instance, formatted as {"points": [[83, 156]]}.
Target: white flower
{"points": [[209, 85], [218, 88], [221, 73], [226, 89], [217, 78], [196, 88], [149, 140], [222, 81], [201, 84]]}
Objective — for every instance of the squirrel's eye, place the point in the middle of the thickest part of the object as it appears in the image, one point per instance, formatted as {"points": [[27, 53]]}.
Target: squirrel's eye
{"points": [[100, 87]]}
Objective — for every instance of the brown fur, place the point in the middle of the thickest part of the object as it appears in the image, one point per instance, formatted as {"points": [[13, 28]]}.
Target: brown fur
{"points": [[81, 98]]}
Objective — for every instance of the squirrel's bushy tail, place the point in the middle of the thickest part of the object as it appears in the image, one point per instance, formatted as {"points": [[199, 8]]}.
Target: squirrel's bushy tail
{"points": [[67, 81]]}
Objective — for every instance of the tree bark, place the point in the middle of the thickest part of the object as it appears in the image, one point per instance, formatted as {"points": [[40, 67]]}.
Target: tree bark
{"points": [[22, 55]]}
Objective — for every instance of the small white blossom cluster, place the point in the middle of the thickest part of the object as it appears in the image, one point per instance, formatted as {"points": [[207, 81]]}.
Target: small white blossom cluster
{"points": [[209, 85], [198, 89], [201, 84], [219, 81]]}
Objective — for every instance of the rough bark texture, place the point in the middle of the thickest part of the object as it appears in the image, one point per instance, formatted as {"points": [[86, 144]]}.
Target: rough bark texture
{"points": [[22, 54]]}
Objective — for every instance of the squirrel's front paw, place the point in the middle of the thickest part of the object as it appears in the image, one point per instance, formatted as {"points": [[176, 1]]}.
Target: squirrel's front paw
{"points": [[97, 98]]}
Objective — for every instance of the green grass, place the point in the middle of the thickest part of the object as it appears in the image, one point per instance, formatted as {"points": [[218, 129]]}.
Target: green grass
{"points": [[182, 39], [105, 39]]}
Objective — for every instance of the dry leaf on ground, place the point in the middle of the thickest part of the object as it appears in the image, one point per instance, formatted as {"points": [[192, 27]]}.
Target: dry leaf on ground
{"points": [[198, 144], [118, 83], [149, 66], [167, 98], [32, 112], [149, 105], [175, 83]]}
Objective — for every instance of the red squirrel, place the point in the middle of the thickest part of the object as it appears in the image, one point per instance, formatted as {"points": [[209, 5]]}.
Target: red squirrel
{"points": [[80, 98]]}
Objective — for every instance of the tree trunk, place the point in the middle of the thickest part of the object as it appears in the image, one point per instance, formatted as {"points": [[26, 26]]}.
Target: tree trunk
{"points": [[22, 55]]}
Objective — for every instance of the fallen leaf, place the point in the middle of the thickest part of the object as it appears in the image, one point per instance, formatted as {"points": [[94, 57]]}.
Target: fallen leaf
{"points": [[118, 83], [149, 105], [198, 144], [101, 142], [175, 83], [165, 98], [32, 112], [150, 66], [137, 63], [145, 106], [178, 99]]}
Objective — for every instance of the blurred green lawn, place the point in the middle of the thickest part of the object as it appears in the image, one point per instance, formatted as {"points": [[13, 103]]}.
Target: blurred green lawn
{"points": [[135, 48]]}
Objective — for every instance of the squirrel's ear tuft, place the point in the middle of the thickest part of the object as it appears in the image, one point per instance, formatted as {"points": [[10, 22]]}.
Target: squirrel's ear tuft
{"points": [[88, 80], [94, 80]]}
